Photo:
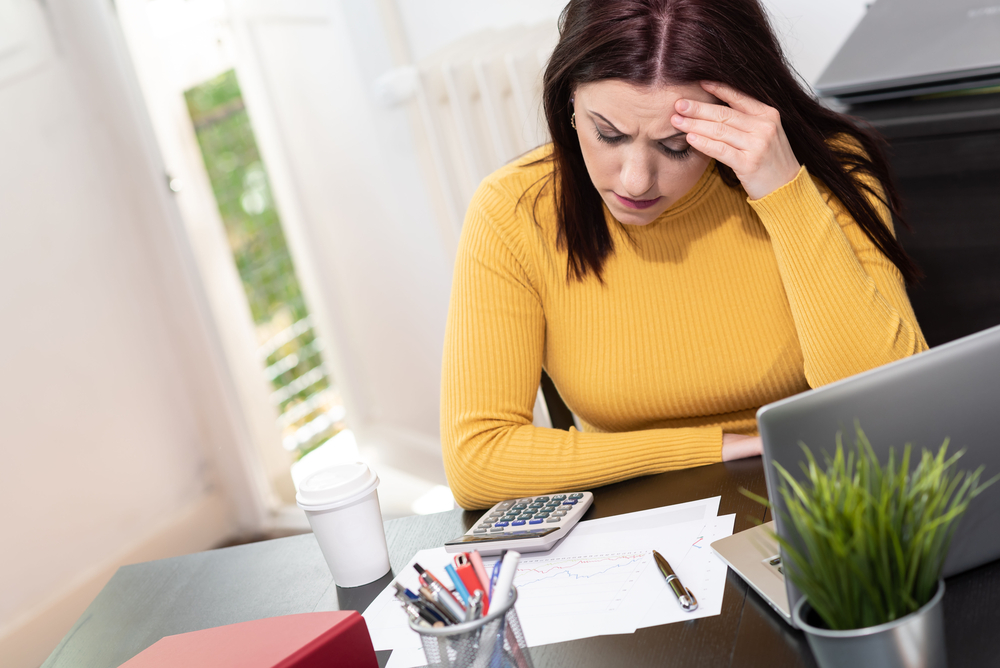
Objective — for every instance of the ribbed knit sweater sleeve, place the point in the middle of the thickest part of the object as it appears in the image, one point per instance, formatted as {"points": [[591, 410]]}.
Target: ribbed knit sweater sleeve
{"points": [[848, 300], [494, 346]]}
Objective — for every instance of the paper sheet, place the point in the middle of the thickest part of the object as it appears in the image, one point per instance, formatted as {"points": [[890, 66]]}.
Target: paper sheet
{"points": [[701, 571], [599, 580]]}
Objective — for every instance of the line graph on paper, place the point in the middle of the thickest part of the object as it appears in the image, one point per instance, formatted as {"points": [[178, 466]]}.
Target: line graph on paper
{"points": [[594, 583]]}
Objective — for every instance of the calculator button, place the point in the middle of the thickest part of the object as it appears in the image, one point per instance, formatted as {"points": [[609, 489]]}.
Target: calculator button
{"points": [[537, 505], [553, 519], [525, 500], [505, 504], [559, 513], [520, 506], [501, 524], [479, 530], [540, 516], [538, 521], [576, 496], [496, 530], [558, 497], [517, 523], [541, 499], [569, 502]]}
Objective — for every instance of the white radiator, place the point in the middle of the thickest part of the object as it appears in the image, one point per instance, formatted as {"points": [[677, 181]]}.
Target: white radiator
{"points": [[480, 102]]}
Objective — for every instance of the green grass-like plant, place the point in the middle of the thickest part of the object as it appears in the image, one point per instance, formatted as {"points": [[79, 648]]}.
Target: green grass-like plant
{"points": [[873, 538]]}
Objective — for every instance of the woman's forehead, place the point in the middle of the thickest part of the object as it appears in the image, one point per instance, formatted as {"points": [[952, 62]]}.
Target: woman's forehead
{"points": [[628, 104]]}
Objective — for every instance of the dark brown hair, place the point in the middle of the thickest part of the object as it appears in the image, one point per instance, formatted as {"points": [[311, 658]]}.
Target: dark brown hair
{"points": [[679, 42]]}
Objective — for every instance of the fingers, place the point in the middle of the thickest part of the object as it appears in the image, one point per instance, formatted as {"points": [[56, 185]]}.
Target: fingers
{"points": [[716, 113], [734, 98], [720, 151], [720, 131], [745, 135], [734, 447]]}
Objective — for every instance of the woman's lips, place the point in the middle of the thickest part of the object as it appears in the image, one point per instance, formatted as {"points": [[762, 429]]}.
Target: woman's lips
{"points": [[637, 203]]}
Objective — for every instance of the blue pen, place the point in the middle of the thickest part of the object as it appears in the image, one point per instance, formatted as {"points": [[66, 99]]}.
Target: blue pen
{"points": [[459, 585], [494, 575]]}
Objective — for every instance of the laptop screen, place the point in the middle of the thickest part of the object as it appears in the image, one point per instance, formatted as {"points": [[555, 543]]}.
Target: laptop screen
{"points": [[903, 47], [951, 391]]}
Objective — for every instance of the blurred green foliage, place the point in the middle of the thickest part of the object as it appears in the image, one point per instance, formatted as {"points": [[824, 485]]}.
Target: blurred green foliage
{"points": [[244, 198], [243, 194]]}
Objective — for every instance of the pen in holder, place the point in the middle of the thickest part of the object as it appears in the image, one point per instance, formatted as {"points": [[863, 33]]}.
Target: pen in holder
{"points": [[493, 641]]}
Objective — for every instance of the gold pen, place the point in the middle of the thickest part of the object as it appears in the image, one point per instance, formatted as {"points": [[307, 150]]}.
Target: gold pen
{"points": [[684, 596]]}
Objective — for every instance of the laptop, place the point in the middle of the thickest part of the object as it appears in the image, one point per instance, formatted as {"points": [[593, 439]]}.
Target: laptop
{"points": [[951, 391], [903, 48]]}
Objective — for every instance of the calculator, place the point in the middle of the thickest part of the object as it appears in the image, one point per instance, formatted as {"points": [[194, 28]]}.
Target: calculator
{"points": [[531, 524]]}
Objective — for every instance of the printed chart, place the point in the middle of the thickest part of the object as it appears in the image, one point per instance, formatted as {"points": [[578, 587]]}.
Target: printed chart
{"points": [[591, 584]]}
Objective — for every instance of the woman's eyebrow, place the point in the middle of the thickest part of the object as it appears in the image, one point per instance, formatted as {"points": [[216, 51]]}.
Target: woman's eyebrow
{"points": [[612, 125], [608, 122]]}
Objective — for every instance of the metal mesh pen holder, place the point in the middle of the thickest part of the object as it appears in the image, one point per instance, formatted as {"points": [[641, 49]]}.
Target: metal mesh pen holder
{"points": [[494, 641]]}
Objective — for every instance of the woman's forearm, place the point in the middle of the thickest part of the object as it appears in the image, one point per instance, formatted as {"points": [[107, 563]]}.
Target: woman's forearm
{"points": [[848, 301]]}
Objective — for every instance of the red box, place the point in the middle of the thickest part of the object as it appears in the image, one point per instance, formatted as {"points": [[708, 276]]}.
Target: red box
{"points": [[311, 640]]}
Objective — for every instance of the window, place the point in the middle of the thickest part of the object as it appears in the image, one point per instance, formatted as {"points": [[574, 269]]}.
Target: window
{"points": [[291, 354]]}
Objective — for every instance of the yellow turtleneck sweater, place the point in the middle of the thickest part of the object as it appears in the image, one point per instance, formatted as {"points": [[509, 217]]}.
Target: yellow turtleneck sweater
{"points": [[719, 306]]}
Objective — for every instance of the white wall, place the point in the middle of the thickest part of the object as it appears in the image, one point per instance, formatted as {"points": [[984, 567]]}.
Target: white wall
{"points": [[433, 24], [115, 418], [811, 31]]}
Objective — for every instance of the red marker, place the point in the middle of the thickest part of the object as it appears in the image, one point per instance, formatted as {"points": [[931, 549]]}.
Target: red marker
{"points": [[466, 571], [477, 564]]}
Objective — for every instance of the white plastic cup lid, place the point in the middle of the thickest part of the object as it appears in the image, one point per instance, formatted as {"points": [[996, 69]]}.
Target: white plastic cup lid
{"points": [[336, 486]]}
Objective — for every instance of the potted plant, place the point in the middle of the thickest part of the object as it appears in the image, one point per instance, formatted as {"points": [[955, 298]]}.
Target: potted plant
{"points": [[867, 551]]}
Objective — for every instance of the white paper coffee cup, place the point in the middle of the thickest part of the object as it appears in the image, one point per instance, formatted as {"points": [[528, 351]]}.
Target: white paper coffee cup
{"points": [[341, 503]]}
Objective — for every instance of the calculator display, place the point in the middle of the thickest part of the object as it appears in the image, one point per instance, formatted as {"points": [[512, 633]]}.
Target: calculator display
{"points": [[468, 540]]}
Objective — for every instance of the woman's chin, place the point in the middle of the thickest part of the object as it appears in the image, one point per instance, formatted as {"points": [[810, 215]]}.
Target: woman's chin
{"points": [[634, 216]]}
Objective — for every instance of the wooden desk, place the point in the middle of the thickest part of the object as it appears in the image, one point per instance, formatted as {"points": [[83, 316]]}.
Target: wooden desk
{"points": [[144, 602]]}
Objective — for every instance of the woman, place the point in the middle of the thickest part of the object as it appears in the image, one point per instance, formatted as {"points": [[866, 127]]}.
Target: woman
{"points": [[700, 238]]}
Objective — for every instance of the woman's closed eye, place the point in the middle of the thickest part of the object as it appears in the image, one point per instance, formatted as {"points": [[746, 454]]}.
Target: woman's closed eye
{"points": [[678, 153], [609, 138], [676, 146]]}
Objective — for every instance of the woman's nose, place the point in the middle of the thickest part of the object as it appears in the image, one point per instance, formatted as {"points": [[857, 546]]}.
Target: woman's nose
{"points": [[637, 175]]}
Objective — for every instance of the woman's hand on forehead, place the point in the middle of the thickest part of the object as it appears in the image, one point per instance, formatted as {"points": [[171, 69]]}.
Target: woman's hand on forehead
{"points": [[747, 136]]}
